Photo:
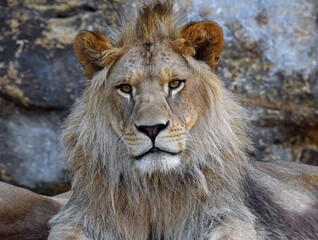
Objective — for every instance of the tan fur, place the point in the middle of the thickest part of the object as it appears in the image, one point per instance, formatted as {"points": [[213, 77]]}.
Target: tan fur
{"points": [[24, 215], [195, 186], [203, 39], [89, 48], [291, 184]]}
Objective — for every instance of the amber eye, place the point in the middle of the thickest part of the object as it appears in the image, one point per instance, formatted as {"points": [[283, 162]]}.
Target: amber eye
{"points": [[125, 88], [175, 83]]}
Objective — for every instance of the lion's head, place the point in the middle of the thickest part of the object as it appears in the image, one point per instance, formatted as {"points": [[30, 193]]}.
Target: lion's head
{"points": [[153, 104]]}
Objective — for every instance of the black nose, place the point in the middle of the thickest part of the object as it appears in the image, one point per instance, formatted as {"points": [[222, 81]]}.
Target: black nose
{"points": [[152, 131]]}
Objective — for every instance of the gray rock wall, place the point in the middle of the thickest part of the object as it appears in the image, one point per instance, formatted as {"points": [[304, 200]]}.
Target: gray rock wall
{"points": [[269, 58]]}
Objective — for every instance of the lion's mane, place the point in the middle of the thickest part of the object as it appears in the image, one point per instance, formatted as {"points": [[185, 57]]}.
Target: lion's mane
{"points": [[206, 186]]}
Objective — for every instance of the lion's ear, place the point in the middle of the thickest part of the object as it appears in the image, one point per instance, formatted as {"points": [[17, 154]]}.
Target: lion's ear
{"points": [[202, 40], [89, 48]]}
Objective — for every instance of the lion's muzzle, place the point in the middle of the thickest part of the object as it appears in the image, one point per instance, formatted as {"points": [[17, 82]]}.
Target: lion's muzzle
{"points": [[152, 131]]}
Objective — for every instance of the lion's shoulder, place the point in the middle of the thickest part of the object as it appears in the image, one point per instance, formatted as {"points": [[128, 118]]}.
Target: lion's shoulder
{"points": [[290, 173], [290, 186], [283, 196]]}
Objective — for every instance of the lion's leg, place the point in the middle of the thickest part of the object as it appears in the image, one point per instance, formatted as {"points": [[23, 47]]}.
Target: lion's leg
{"points": [[25, 214], [66, 232], [234, 229]]}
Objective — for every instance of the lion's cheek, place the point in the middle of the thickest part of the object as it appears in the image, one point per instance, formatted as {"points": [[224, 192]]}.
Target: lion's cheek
{"points": [[119, 115], [190, 119], [116, 123], [117, 127]]}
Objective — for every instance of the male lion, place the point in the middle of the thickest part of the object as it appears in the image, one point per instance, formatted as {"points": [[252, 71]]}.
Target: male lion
{"points": [[158, 149]]}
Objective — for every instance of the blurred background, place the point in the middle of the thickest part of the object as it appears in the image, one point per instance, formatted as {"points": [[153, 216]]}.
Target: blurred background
{"points": [[269, 58]]}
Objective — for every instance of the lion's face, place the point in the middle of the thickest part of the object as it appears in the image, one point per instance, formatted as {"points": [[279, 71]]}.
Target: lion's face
{"points": [[149, 91], [152, 96]]}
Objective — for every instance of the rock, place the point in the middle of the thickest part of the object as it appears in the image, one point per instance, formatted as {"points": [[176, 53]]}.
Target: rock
{"points": [[40, 79], [29, 155], [269, 60], [37, 66], [270, 54]]}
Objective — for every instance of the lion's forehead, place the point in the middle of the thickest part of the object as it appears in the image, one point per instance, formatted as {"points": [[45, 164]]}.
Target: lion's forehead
{"points": [[140, 63]]}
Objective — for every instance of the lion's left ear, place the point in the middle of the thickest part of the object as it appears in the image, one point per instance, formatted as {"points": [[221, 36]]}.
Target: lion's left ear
{"points": [[202, 40]]}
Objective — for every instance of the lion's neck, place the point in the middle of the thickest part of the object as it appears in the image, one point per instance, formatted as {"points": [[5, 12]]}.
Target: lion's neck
{"points": [[160, 204]]}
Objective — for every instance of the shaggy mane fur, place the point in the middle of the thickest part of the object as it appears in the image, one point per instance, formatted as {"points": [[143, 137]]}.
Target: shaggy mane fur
{"points": [[155, 21], [213, 192], [206, 186]]}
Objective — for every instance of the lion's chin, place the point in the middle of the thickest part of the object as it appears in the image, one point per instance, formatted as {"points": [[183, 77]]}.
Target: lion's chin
{"points": [[157, 162]]}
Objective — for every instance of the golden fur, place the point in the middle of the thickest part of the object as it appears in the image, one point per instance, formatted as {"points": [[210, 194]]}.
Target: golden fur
{"points": [[199, 184], [24, 215]]}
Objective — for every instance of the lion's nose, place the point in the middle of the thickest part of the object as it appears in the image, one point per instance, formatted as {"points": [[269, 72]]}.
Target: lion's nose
{"points": [[152, 131]]}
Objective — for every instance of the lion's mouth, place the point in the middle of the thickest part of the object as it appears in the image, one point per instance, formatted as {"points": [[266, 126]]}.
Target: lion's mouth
{"points": [[155, 150]]}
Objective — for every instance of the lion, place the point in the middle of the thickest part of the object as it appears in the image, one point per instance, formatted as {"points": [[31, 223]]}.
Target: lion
{"points": [[159, 149]]}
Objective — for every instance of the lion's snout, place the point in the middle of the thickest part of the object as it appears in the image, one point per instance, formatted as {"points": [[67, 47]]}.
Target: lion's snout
{"points": [[152, 131]]}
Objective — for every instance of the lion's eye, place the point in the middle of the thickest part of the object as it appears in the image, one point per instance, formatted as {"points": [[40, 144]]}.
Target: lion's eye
{"points": [[125, 88], [175, 83]]}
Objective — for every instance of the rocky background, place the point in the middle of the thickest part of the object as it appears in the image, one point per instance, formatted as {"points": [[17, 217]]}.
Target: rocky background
{"points": [[269, 58]]}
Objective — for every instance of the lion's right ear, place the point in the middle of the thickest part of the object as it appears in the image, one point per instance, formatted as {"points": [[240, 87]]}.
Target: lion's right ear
{"points": [[89, 48]]}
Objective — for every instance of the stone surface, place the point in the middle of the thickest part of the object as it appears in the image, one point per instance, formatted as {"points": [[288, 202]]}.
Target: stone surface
{"points": [[269, 59], [37, 66], [29, 154], [270, 54]]}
